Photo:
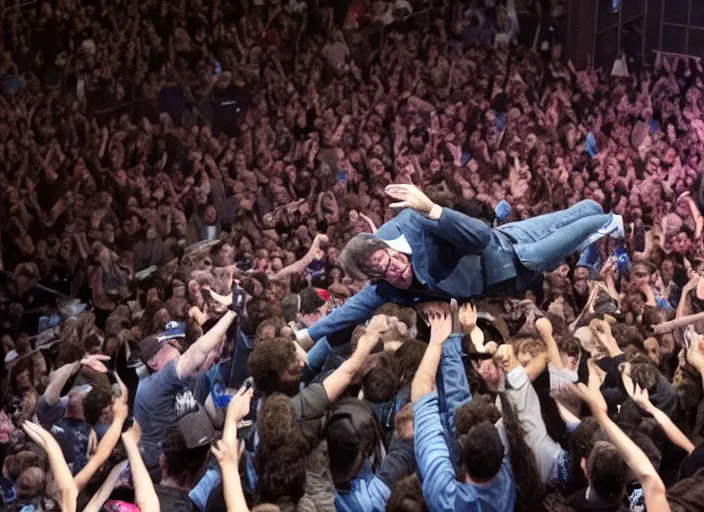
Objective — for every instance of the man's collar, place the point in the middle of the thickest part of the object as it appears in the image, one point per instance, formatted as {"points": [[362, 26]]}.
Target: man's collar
{"points": [[400, 244]]}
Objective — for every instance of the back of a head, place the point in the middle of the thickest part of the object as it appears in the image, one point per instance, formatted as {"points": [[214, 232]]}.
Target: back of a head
{"points": [[275, 420], [379, 384], [267, 362], [646, 375], [290, 307], [184, 464], [407, 496], [95, 402], [607, 472], [311, 301], [407, 359], [351, 431], [280, 460], [281, 472], [687, 494], [30, 483], [475, 412], [482, 451]]}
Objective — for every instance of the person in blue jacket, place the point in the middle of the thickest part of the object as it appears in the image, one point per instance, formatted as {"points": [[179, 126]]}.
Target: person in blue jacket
{"points": [[432, 253], [362, 475], [483, 453]]}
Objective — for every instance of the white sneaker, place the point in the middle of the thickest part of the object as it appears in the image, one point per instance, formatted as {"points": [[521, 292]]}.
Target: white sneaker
{"points": [[615, 228]]}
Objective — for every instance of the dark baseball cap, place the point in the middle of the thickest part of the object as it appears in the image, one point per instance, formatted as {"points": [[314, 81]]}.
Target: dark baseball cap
{"points": [[151, 345], [196, 428]]}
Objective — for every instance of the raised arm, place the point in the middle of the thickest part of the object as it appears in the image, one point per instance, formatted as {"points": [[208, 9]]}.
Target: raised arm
{"points": [[337, 382], [59, 468], [683, 308], [105, 490], [525, 400], [544, 327], [472, 235], [432, 453], [191, 361], [696, 215], [57, 381], [144, 494], [227, 452], [300, 265], [639, 463], [453, 386], [107, 443], [441, 328], [641, 397], [353, 312]]}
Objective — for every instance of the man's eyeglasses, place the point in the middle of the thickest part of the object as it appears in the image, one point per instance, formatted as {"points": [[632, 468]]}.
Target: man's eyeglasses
{"points": [[380, 270]]}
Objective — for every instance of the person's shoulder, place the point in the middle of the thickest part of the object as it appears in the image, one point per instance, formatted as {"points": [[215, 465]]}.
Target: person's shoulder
{"points": [[311, 402], [174, 499], [166, 376]]}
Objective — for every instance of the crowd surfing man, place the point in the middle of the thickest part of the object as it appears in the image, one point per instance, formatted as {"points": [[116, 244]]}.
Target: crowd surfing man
{"points": [[428, 251]]}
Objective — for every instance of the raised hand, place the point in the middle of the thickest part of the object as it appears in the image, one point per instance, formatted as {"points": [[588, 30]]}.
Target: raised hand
{"points": [[468, 317], [591, 394], [505, 357], [602, 333], [695, 354], [379, 324], [409, 196], [440, 325], [228, 455], [637, 394], [95, 362], [240, 404], [38, 434], [134, 433]]}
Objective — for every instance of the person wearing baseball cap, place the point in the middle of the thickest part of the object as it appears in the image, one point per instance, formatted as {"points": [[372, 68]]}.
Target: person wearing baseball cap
{"points": [[186, 444], [160, 396]]}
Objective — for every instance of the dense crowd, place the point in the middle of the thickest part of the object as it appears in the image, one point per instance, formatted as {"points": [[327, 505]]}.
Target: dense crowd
{"points": [[179, 182]]}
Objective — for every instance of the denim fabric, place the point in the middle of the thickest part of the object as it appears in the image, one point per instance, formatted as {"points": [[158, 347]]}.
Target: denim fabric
{"points": [[318, 354], [367, 493], [453, 389], [245, 345], [543, 242], [201, 492], [462, 257]]}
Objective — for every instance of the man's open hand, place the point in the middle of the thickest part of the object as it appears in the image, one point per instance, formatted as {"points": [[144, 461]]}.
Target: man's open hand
{"points": [[409, 196]]}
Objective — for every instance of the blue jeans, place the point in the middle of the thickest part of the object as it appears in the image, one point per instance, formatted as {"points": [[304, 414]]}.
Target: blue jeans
{"points": [[318, 354], [542, 243]]}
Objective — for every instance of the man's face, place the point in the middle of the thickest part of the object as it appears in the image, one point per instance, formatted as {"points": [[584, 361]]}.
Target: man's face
{"points": [[210, 215], [392, 266], [652, 348], [681, 243], [667, 271], [168, 353], [23, 381], [640, 276]]}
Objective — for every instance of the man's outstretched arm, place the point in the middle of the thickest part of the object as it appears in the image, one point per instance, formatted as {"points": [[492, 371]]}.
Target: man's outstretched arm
{"points": [[190, 362], [355, 311], [472, 235]]}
